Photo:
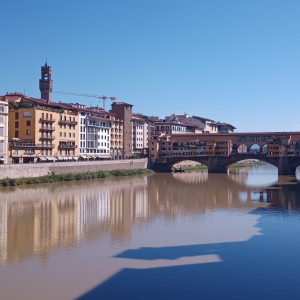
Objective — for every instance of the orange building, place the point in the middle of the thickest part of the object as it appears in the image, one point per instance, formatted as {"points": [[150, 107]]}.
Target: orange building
{"points": [[41, 130]]}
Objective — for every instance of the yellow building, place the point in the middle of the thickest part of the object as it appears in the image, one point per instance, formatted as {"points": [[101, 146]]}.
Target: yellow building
{"points": [[41, 130], [278, 146], [211, 147], [116, 138]]}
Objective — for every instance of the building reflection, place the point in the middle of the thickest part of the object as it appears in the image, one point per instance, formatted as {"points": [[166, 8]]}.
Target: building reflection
{"points": [[64, 215]]}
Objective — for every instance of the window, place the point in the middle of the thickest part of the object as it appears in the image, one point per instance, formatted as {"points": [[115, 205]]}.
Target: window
{"points": [[64, 134], [1, 108], [70, 134], [28, 123], [28, 132], [60, 134], [17, 133], [26, 114], [1, 131], [73, 135], [1, 119], [16, 124]]}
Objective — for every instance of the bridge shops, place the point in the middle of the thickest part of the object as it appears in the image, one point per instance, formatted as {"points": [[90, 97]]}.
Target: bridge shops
{"points": [[273, 144], [164, 146], [219, 151]]}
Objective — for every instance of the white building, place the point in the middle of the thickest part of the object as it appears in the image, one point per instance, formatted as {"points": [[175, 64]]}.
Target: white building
{"points": [[3, 131], [170, 128], [205, 125], [94, 132]]}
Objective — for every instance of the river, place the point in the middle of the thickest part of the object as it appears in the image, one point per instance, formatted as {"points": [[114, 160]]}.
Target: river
{"points": [[163, 236]]}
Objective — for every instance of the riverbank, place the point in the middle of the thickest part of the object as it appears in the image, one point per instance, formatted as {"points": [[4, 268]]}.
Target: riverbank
{"points": [[232, 167], [43, 169], [241, 165], [71, 177]]}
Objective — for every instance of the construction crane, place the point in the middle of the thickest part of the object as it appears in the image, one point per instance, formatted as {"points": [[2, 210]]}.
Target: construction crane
{"points": [[89, 95]]}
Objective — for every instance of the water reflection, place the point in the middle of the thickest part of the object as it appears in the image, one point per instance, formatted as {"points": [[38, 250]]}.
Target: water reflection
{"points": [[38, 220]]}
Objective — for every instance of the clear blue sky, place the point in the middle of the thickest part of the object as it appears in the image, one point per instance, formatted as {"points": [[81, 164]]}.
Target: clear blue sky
{"points": [[237, 61]]}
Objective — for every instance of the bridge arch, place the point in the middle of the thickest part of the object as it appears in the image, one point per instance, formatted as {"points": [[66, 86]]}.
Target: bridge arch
{"points": [[227, 165], [189, 161]]}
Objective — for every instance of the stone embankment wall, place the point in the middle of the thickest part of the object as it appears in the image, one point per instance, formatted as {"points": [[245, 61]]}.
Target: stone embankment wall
{"points": [[42, 169]]}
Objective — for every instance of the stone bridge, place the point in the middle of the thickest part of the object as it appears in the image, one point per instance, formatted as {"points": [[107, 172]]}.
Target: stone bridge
{"points": [[220, 164]]}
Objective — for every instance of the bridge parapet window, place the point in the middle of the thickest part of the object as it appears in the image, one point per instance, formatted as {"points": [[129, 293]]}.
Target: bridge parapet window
{"points": [[242, 139], [254, 138]]}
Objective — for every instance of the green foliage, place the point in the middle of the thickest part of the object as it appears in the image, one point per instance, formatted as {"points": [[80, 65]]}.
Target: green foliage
{"points": [[53, 177]]}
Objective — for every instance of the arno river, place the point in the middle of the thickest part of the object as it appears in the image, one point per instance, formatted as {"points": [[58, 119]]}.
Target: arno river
{"points": [[164, 236]]}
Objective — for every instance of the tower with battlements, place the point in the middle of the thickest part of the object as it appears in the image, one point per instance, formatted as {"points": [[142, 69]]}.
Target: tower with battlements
{"points": [[46, 83]]}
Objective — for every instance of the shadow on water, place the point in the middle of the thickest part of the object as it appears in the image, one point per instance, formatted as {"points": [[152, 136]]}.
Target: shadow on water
{"points": [[264, 267]]}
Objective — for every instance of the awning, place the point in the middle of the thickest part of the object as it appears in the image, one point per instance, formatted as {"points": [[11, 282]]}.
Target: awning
{"points": [[75, 157], [60, 158], [66, 158], [2, 159], [15, 139], [42, 158], [51, 158], [83, 156]]}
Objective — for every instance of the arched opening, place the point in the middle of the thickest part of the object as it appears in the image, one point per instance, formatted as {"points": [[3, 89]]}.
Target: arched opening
{"points": [[242, 149], [189, 165], [264, 149], [254, 149]]}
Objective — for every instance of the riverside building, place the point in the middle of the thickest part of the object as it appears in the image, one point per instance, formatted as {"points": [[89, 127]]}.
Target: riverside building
{"points": [[123, 111], [93, 131], [41, 130], [3, 130], [165, 146], [203, 125]]}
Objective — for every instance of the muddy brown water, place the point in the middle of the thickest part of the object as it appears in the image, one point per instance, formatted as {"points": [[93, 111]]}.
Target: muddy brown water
{"points": [[165, 236]]}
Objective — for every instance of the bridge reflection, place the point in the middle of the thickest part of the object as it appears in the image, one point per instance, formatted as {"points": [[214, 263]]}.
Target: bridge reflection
{"points": [[65, 215]]}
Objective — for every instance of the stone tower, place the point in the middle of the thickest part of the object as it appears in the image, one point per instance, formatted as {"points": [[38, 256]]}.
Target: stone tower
{"points": [[124, 113], [46, 84]]}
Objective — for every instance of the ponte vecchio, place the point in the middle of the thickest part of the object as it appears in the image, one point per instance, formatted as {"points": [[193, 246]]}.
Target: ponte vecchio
{"points": [[219, 151]]}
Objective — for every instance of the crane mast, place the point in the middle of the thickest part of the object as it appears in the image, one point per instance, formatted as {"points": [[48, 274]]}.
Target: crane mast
{"points": [[89, 95]]}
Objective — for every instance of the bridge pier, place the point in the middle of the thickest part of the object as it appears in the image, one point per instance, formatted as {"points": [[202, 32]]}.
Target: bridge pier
{"points": [[161, 168], [284, 166], [217, 169], [215, 165]]}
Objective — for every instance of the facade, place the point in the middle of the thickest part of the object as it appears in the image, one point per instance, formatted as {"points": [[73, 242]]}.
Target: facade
{"points": [[170, 128], [164, 147], [100, 133], [3, 130], [279, 146], [204, 125], [41, 131], [139, 136], [116, 139], [93, 132], [123, 112]]}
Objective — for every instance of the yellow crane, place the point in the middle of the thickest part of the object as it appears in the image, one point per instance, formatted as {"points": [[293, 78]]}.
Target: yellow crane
{"points": [[89, 95]]}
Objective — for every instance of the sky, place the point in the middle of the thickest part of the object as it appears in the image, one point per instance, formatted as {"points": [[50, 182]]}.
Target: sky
{"points": [[234, 61]]}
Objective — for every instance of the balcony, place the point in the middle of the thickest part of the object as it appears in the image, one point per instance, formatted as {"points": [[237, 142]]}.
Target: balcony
{"points": [[23, 145], [47, 128], [67, 146], [47, 120], [67, 122], [47, 137], [46, 146]]}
